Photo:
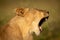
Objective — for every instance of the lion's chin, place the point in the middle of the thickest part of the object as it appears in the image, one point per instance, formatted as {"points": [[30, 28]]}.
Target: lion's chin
{"points": [[37, 33]]}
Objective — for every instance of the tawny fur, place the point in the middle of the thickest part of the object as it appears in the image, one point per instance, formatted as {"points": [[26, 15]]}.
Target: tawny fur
{"points": [[22, 25]]}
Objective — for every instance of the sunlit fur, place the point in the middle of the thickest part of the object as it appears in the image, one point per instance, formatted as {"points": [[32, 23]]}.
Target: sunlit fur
{"points": [[23, 24]]}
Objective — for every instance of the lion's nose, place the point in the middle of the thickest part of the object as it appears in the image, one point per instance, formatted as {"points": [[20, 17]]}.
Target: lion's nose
{"points": [[48, 12]]}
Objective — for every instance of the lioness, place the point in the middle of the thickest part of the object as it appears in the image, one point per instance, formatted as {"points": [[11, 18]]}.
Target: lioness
{"points": [[21, 27]]}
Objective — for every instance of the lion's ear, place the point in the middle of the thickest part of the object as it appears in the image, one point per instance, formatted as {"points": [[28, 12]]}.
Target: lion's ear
{"points": [[20, 11]]}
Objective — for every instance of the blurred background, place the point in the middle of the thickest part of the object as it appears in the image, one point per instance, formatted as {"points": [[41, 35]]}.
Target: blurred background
{"points": [[51, 28]]}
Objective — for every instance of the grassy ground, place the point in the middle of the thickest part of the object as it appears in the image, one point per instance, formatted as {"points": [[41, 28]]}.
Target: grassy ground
{"points": [[51, 28]]}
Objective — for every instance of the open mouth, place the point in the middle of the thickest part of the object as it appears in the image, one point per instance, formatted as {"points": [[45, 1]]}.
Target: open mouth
{"points": [[42, 21]]}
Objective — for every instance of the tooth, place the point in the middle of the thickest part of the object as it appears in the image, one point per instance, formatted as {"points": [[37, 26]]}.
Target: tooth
{"points": [[46, 19], [40, 29]]}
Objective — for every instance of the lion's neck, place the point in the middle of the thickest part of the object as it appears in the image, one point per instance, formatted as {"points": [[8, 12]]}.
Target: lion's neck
{"points": [[27, 36], [23, 26]]}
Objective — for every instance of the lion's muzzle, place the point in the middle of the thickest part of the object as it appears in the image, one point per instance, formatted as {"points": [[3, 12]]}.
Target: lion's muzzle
{"points": [[42, 21]]}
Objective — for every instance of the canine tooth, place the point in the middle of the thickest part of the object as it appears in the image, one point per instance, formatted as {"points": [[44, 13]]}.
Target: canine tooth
{"points": [[46, 19], [40, 28]]}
